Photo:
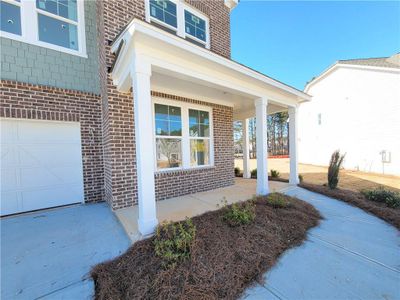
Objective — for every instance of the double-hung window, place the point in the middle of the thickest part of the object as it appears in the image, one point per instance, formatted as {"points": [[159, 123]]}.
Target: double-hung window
{"points": [[183, 136], [199, 134], [177, 16], [168, 131], [54, 24]]}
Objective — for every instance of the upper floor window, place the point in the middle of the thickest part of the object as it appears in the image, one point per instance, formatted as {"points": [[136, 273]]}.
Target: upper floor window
{"points": [[54, 24], [180, 18]]}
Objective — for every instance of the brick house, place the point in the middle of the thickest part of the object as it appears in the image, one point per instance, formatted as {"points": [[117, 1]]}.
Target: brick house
{"points": [[128, 102]]}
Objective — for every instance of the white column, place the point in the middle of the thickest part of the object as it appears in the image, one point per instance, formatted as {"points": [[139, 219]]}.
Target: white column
{"points": [[246, 149], [262, 147], [141, 73], [294, 173]]}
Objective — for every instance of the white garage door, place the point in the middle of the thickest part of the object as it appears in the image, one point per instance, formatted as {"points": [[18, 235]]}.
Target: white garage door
{"points": [[41, 165]]}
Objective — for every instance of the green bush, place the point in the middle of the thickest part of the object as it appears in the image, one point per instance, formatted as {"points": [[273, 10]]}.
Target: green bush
{"points": [[301, 178], [277, 200], [334, 167], [237, 171], [173, 241], [275, 174], [391, 199], [253, 173], [239, 214]]}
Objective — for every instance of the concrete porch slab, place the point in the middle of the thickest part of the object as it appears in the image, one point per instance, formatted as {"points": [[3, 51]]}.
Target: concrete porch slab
{"points": [[178, 208]]}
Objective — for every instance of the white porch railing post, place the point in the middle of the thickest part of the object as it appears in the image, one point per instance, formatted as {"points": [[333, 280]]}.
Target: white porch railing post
{"points": [[140, 74], [246, 149], [294, 173], [262, 147]]}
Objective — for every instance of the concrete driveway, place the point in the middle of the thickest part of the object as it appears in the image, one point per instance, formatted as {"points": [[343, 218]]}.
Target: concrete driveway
{"points": [[351, 255], [48, 254]]}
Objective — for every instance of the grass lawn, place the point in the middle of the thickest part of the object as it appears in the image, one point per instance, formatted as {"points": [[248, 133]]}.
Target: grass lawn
{"points": [[225, 257]]}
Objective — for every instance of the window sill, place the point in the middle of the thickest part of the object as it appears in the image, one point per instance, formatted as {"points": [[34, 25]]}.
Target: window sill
{"points": [[183, 170], [42, 44]]}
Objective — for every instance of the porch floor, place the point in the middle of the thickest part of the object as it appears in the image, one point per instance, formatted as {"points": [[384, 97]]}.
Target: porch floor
{"points": [[176, 209]]}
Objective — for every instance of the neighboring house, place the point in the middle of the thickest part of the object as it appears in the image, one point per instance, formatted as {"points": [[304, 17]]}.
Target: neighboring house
{"points": [[127, 102], [355, 108]]}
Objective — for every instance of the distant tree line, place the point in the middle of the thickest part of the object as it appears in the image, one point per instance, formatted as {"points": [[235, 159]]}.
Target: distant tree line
{"points": [[278, 135]]}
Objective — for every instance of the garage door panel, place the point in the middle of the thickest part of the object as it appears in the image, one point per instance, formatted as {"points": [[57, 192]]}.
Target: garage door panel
{"points": [[72, 194], [49, 155], [41, 165], [12, 205], [39, 132], [40, 177], [9, 179]]}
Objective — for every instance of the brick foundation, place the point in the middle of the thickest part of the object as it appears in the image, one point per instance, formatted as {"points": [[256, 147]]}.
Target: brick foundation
{"points": [[28, 101]]}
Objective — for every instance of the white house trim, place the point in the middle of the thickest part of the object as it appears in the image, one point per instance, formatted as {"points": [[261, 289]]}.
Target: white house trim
{"points": [[137, 26], [337, 65], [293, 136], [30, 30], [261, 146]]}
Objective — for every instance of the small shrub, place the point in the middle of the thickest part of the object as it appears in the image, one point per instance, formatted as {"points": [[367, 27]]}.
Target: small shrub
{"points": [[275, 174], [173, 241], [334, 167], [391, 199], [237, 171], [301, 178], [253, 173], [239, 214], [277, 200]]}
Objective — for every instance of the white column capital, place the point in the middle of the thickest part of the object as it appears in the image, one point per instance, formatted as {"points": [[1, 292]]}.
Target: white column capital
{"points": [[141, 65], [292, 110], [261, 101]]}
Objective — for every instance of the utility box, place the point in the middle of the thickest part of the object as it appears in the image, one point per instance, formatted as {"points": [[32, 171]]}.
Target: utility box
{"points": [[386, 156]]}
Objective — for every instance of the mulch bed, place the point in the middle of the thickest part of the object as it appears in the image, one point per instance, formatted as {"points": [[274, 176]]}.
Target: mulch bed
{"points": [[224, 260], [390, 215]]}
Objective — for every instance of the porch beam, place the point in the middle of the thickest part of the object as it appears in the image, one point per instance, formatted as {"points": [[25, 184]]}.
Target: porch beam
{"points": [[140, 74], [246, 149], [293, 120], [261, 105]]}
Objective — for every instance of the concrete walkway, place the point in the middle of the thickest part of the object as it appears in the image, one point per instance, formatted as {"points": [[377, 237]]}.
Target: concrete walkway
{"points": [[48, 254], [351, 255]]}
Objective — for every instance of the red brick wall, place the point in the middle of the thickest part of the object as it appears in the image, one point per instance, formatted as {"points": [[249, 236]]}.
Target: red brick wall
{"points": [[28, 101], [120, 175]]}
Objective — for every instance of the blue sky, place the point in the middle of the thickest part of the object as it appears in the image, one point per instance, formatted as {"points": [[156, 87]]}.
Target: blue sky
{"points": [[295, 41]]}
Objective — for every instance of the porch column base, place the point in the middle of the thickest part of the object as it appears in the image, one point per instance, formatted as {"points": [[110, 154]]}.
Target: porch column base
{"points": [[147, 226]]}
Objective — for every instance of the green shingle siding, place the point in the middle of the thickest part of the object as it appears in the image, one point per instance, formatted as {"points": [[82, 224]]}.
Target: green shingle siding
{"points": [[38, 65]]}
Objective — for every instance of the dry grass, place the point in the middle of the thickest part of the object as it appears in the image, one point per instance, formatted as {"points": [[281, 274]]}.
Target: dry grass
{"points": [[390, 215], [224, 260], [350, 180]]}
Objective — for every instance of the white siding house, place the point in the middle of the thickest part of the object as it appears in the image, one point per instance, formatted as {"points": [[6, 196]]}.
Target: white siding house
{"points": [[355, 108]]}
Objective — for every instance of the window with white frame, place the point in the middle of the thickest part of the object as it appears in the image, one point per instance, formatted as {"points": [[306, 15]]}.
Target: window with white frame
{"points": [[179, 17], [182, 135], [199, 135], [55, 24]]}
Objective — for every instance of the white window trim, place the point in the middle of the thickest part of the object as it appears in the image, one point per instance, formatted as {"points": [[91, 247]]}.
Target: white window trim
{"points": [[180, 15], [30, 30], [185, 138]]}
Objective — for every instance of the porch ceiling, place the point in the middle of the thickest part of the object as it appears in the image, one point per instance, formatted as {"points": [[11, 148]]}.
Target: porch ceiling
{"points": [[243, 105], [179, 67]]}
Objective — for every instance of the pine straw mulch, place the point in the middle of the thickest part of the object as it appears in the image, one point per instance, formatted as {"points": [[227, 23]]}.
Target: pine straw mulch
{"points": [[390, 215], [224, 260]]}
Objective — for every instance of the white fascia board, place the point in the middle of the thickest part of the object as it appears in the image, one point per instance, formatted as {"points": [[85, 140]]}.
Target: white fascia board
{"points": [[148, 29], [337, 65], [231, 4]]}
